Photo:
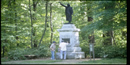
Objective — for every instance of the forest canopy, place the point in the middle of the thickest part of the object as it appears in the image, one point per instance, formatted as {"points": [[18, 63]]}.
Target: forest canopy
{"points": [[33, 24]]}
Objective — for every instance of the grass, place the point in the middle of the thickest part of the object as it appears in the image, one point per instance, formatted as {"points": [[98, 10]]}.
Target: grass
{"points": [[4, 59], [106, 61], [31, 62], [46, 61]]}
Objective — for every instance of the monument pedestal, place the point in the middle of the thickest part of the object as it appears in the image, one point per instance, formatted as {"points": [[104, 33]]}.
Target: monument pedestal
{"points": [[69, 33]]}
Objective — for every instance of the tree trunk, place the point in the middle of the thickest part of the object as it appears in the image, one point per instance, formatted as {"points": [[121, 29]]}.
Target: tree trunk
{"points": [[16, 37], [91, 36], [45, 24], [34, 19], [51, 26], [9, 7], [8, 19], [3, 50], [109, 38], [90, 19], [112, 38], [31, 23]]}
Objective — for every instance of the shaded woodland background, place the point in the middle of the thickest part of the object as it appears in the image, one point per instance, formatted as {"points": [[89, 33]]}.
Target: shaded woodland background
{"points": [[28, 27]]}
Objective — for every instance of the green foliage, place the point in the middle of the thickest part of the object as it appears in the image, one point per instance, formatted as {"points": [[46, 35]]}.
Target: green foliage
{"points": [[113, 52], [19, 53], [86, 50], [16, 26], [4, 59], [16, 54], [105, 51], [107, 16], [98, 50]]}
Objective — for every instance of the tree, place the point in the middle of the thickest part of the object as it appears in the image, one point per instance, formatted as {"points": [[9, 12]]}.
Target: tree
{"points": [[34, 23], [45, 24], [51, 26], [90, 19], [31, 24], [104, 18], [34, 20], [15, 21]]}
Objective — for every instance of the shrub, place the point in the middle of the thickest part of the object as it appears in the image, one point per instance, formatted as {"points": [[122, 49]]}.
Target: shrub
{"points": [[4, 59], [86, 50], [113, 52], [19, 53], [16, 54], [106, 51], [97, 50], [43, 51]]}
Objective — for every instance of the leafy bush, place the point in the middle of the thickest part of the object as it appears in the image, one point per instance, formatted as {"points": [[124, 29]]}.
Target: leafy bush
{"points": [[18, 54], [97, 50], [114, 52], [43, 51], [85, 48], [106, 51], [4, 59]]}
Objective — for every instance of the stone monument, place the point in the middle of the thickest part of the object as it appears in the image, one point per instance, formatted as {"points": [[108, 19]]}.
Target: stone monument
{"points": [[69, 33]]}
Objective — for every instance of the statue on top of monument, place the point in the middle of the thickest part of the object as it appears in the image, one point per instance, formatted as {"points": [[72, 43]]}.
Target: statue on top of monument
{"points": [[68, 12]]}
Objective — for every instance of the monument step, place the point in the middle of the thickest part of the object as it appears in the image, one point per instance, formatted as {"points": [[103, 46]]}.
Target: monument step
{"points": [[72, 55]]}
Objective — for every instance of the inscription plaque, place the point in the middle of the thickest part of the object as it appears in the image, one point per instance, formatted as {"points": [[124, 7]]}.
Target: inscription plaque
{"points": [[66, 40]]}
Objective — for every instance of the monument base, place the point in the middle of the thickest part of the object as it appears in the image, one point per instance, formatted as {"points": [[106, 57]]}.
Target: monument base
{"points": [[72, 55], [69, 33]]}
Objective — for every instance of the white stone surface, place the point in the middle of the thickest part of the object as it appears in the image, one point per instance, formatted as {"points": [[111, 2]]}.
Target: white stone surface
{"points": [[73, 49]]}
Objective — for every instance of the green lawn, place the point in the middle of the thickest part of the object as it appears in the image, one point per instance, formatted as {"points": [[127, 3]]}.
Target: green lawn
{"points": [[46, 61], [106, 61], [31, 62]]}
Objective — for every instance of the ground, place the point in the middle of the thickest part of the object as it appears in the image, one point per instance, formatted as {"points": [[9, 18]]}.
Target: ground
{"points": [[74, 61], [68, 61], [47, 61]]}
